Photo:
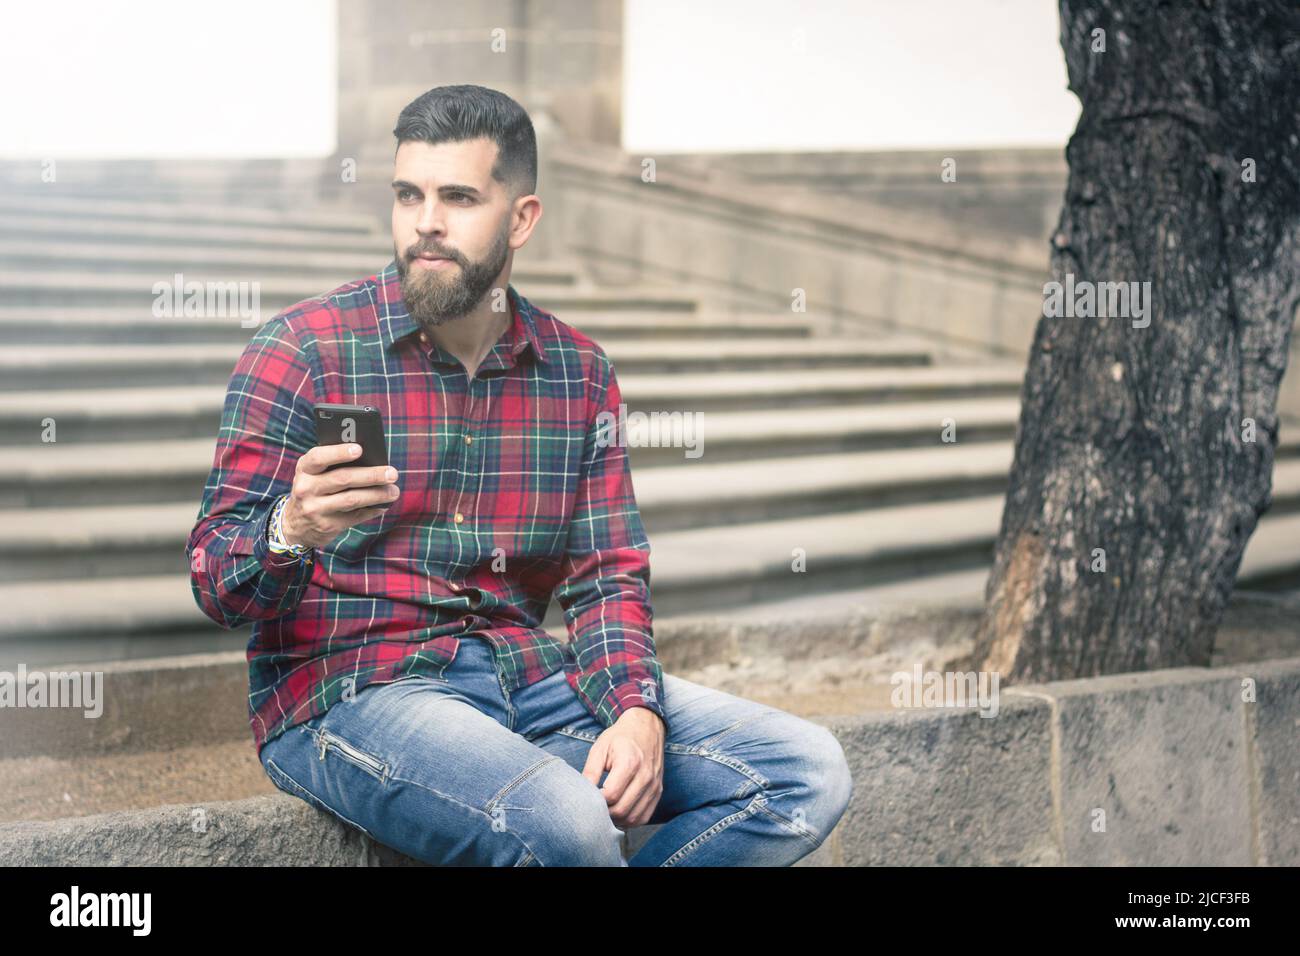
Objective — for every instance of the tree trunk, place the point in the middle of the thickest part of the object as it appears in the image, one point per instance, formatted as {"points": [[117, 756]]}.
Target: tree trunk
{"points": [[1138, 475]]}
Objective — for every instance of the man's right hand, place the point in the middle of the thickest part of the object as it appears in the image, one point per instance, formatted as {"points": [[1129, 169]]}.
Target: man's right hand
{"points": [[323, 505]]}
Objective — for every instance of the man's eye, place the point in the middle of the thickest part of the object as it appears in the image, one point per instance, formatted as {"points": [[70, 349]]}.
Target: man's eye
{"points": [[403, 193]]}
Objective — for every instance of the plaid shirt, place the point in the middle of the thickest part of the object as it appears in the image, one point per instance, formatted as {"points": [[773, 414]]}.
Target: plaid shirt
{"points": [[511, 490]]}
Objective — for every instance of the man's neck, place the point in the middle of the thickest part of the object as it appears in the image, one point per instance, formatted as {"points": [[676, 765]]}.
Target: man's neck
{"points": [[471, 337]]}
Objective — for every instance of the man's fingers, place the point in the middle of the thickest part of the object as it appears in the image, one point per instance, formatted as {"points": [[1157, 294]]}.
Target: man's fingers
{"points": [[621, 771], [646, 808], [334, 525], [645, 805], [356, 498], [595, 764], [315, 460], [343, 478], [633, 795]]}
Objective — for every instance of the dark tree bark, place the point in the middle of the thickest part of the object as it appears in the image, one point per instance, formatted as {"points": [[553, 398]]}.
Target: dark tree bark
{"points": [[1134, 440]]}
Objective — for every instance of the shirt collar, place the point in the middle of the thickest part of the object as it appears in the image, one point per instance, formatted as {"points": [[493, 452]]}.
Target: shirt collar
{"points": [[396, 323]]}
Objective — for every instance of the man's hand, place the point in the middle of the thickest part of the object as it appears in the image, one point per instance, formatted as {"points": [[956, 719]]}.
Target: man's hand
{"points": [[322, 505], [632, 750]]}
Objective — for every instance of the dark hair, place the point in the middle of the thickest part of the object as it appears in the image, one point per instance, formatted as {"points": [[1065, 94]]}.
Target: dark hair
{"points": [[456, 113]]}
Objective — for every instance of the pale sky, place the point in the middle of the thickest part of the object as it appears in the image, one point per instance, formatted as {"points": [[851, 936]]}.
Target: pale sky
{"points": [[252, 78]]}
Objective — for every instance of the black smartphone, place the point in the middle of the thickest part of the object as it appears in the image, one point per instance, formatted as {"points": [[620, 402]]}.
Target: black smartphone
{"points": [[339, 424]]}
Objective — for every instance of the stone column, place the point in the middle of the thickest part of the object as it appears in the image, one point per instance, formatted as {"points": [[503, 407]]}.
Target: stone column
{"points": [[561, 59]]}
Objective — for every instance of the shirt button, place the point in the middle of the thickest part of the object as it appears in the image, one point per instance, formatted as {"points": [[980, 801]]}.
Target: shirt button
{"points": [[453, 585], [469, 439], [459, 517]]}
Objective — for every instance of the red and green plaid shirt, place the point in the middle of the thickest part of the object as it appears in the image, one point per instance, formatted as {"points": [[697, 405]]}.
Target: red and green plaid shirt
{"points": [[511, 490]]}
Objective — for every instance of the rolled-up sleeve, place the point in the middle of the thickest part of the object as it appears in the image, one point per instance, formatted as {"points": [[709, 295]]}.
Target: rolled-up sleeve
{"points": [[605, 591], [266, 425]]}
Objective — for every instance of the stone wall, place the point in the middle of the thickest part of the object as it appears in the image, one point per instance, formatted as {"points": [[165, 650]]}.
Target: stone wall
{"points": [[1166, 768], [1187, 766], [1004, 191], [863, 268]]}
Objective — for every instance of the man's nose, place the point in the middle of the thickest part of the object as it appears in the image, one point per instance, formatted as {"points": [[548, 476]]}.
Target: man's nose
{"points": [[431, 219]]}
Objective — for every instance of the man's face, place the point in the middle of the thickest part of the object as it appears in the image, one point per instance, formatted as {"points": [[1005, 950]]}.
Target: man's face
{"points": [[451, 227]]}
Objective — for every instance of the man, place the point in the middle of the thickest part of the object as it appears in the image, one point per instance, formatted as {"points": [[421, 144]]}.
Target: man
{"points": [[399, 675]]}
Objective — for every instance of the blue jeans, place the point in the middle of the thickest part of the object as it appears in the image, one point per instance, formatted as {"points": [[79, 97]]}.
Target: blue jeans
{"points": [[460, 772]]}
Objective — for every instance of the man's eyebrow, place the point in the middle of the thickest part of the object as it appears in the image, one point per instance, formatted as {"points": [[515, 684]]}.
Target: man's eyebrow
{"points": [[450, 187]]}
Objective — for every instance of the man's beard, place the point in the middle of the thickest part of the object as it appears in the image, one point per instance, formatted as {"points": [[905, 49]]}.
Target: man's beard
{"points": [[433, 297]]}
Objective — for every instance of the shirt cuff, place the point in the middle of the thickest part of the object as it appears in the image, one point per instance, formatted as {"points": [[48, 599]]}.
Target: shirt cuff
{"points": [[281, 564], [628, 696], [252, 539], [643, 690]]}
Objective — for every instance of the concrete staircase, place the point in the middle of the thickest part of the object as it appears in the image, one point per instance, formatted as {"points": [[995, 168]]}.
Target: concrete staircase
{"points": [[829, 448]]}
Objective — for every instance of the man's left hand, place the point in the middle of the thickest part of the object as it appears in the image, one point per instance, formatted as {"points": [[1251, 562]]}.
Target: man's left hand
{"points": [[632, 750]]}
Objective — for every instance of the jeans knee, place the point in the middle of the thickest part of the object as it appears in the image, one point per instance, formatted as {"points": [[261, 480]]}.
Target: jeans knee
{"points": [[578, 829], [827, 778], [832, 769]]}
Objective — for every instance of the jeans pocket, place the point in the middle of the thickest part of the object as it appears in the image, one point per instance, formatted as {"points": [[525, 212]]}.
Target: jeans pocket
{"points": [[328, 742]]}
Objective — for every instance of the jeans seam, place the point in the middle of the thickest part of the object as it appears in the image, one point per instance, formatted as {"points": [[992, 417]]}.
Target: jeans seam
{"points": [[393, 775], [747, 719], [472, 809], [518, 780], [696, 841], [505, 696], [682, 750], [766, 807], [579, 734], [415, 783], [311, 799], [737, 765], [590, 738]]}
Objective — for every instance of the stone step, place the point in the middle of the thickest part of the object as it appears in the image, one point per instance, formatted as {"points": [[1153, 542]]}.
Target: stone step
{"points": [[95, 536], [183, 215], [694, 572], [719, 568], [68, 230], [191, 411], [760, 351], [62, 543], [63, 475], [797, 388], [78, 544], [1271, 561], [963, 588], [105, 610], [708, 494], [25, 367], [230, 290], [121, 325], [59, 474], [328, 267]]}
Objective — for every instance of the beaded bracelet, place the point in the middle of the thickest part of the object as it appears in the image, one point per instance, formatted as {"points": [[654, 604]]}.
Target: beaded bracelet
{"points": [[275, 532]]}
